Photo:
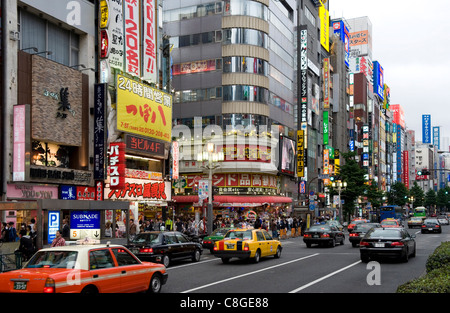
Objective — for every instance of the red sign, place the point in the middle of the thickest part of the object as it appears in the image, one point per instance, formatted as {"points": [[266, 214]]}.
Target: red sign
{"points": [[137, 190], [99, 190], [104, 44], [117, 165], [144, 145], [85, 193]]}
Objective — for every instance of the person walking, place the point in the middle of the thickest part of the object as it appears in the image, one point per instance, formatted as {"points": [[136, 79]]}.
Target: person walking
{"points": [[132, 229], [59, 240]]}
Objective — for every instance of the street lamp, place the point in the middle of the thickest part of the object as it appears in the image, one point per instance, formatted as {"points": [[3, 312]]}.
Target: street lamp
{"points": [[340, 186], [213, 158]]}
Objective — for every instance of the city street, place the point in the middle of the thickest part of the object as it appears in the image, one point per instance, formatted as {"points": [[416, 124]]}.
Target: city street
{"points": [[302, 270]]}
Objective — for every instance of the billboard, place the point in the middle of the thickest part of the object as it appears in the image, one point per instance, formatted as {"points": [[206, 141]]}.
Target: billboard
{"points": [[132, 38], [437, 137], [149, 39], [300, 153], [288, 156], [325, 127], [324, 27], [326, 83], [143, 110], [378, 80], [426, 128], [341, 30], [116, 53], [398, 115]]}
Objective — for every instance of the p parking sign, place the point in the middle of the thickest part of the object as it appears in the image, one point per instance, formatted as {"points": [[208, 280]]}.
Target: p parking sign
{"points": [[53, 225]]}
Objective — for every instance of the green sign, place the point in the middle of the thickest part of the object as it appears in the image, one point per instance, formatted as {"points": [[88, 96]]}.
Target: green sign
{"points": [[325, 127]]}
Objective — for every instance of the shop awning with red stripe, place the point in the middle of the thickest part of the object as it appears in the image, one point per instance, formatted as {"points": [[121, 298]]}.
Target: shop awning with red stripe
{"points": [[235, 200]]}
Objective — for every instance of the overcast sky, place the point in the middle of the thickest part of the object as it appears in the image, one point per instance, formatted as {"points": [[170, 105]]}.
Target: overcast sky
{"points": [[411, 41]]}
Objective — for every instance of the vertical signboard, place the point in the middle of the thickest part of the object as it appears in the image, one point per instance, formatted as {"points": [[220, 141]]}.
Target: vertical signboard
{"points": [[426, 128], [99, 130], [149, 40], [326, 83], [117, 38], [378, 80], [117, 165], [406, 168], [325, 127], [303, 114], [399, 154], [175, 161], [324, 27], [132, 37], [19, 142], [300, 153], [436, 137], [326, 161]]}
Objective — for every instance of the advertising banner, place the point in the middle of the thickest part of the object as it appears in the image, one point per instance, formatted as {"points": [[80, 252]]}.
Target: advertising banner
{"points": [[84, 224], [378, 80], [132, 37], [150, 70], [325, 127], [141, 189], [436, 137], [117, 165], [117, 51], [19, 142], [143, 110], [99, 130], [426, 128], [324, 27], [300, 153], [326, 83]]}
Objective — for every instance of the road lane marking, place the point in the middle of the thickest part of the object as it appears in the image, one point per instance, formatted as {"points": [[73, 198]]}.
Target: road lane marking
{"points": [[191, 264], [323, 278], [250, 273]]}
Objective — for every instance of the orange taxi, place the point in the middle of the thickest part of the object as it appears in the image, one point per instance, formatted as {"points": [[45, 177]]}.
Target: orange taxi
{"points": [[390, 222], [84, 269], [355, 221]]}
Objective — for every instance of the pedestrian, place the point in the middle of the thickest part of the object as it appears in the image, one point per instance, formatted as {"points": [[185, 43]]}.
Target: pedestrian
{"points": [[108, 229], [59, 240], [4, 235], [132, 229], [12, 233], [168, 224], [179, 225], [33, 226], [65, 229], [148, 226], [274, 228], [26, 246], [258, 222]]}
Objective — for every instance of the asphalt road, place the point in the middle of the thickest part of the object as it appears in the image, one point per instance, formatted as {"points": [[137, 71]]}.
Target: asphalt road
{"points": [[302, 270]]}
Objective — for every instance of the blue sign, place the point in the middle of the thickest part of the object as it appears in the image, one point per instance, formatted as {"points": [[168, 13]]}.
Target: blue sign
{"points": [[53, 225], [68, 192], [437, 137], [312, 207], [426, 128], [378, 80], [352, 145], [85, 220]]}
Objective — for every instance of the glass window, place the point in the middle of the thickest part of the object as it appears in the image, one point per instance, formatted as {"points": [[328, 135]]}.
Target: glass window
{"points": [[53, 259], [245, 93], [124, 258], [246, 7], [181, 238], [245, 65], [245, 36], [267, 235], [260, 236], [170, 238], [99, 259]]}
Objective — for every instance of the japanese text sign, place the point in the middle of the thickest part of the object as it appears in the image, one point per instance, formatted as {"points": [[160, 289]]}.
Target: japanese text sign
{"points": [[117, 165], [143, 110]]}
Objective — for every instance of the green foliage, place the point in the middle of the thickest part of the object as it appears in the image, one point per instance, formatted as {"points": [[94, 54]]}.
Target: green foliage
{"points": [[418, 194], [430, 198], [398, 194], [439, 258], [374, 195], [437, 276]]}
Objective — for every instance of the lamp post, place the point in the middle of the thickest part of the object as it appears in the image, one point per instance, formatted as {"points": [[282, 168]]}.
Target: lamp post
{"points": [[213, 158], [340, 186]]}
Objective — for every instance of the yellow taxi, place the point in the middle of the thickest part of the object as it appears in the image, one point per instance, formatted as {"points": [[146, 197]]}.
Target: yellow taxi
{"points": [[84, 268], [390, 222], [247, 243]]}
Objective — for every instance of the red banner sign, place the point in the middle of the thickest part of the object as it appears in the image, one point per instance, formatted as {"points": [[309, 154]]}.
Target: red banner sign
{"points": [[117, 165]]}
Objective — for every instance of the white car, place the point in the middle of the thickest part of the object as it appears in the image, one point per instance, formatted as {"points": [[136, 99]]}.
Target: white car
{"points": [[443, 220]]}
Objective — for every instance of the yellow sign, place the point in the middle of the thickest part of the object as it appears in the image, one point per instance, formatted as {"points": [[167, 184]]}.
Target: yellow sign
{"points": [[104, 14], [324, 27], [300, 153], [143, 110]]}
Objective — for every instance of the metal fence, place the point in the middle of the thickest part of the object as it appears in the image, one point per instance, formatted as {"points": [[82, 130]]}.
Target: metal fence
{"points": [[10, 262]]}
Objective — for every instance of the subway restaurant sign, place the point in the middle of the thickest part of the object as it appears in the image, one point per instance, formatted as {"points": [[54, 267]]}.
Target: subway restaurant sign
{"points": [[143, 110]]}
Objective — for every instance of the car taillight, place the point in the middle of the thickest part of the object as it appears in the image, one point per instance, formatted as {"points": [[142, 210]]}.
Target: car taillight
{"points": [[363, 244], [325, 235], [246, 247], [354, 235], [397, 244], [49, 286], [146, 250], [307, 236], [423, 225], [436, 226]]}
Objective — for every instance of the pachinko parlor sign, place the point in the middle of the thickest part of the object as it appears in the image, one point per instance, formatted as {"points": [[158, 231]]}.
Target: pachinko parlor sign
{"points": [[141, 189]]}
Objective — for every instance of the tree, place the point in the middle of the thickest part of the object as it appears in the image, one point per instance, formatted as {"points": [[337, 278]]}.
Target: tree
{"points": [[354, 176], [374, 195], [398, 194], [418, 194], [442, 198], [430, 198]]}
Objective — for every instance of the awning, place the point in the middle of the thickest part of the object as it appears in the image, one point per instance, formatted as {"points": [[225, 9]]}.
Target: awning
{"points": [[235, 201]]}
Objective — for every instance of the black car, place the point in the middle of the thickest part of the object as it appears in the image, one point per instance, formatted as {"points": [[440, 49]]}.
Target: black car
{"points": [[431, 225], [164, 247], [323, 235], [387, 242], [360, 231]]}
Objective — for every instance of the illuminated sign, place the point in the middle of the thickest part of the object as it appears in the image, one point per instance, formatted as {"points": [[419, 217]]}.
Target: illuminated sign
{"points": [[117, 165], [104, 13], [378, 80], [300, 153], [144, 145], [132, 37], [324, 27], [326, 83], [325, 127], [143, 110]]}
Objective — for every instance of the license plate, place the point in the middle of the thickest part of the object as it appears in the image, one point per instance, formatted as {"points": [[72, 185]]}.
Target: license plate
{"points": [[430, 228], [378, 245], [230, 246], [315, 236], [135, 251], [20, 285]]}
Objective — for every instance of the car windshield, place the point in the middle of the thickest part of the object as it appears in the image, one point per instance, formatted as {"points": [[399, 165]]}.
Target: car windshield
{"points": [[239, 234], [358, 221], [320, 228], [146, 238], [363, 227], [416, 219], [53, 259], [430, 221], [388, 223], [219, 232], [384, 233]]}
